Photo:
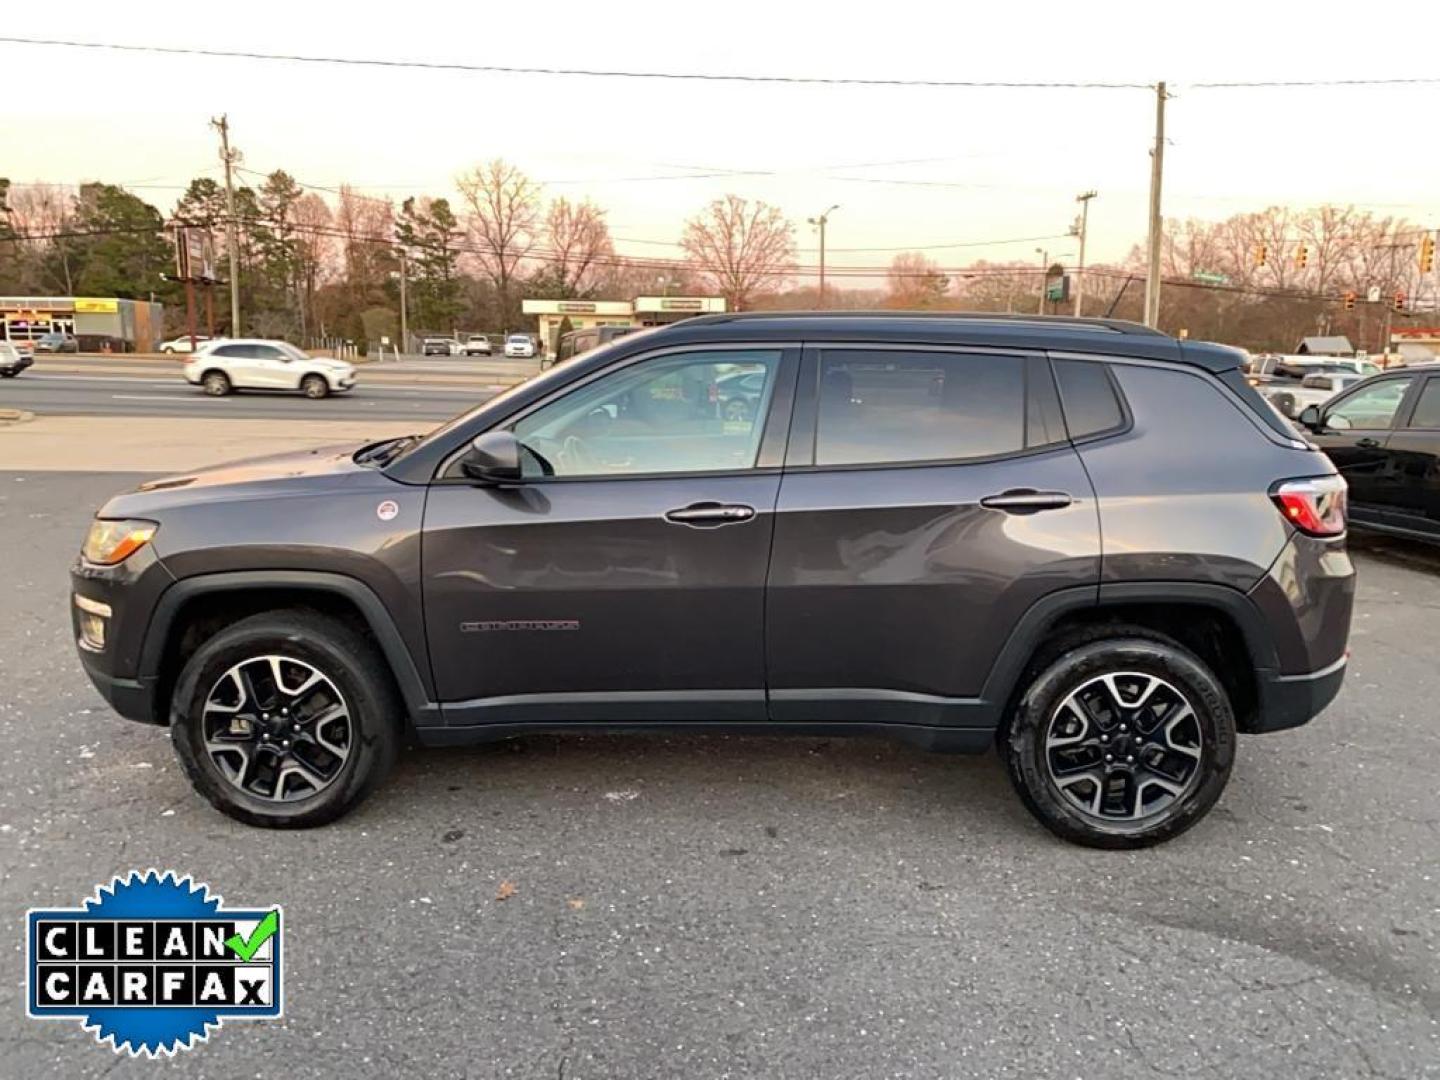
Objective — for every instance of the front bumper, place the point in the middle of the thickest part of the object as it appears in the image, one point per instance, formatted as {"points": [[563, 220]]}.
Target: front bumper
{"points": [[129, 591]]}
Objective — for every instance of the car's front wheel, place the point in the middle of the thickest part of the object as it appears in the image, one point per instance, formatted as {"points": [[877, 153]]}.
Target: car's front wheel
{"points": [[286, 719], [1121, 742], [315, 386]]}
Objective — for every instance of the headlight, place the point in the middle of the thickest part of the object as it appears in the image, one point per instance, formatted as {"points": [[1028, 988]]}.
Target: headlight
{"points": [[111, 542]]}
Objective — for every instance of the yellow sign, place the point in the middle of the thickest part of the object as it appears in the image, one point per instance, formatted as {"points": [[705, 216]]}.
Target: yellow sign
{"points": [[97, 307]]}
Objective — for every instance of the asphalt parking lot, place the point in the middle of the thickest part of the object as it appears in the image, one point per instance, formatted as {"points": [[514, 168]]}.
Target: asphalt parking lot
{"points": [[724, 907]]}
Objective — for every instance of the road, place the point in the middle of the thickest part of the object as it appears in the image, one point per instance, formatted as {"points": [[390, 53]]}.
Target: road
{"points": [[727, 907], [64, 394]]}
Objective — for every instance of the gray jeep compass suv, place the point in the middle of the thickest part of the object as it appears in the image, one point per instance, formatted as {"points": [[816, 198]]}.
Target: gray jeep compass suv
{"points": [[1082, 541]]}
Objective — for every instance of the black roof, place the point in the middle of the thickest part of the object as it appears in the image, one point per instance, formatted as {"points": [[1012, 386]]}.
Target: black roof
{"points": [[1114, 337]]}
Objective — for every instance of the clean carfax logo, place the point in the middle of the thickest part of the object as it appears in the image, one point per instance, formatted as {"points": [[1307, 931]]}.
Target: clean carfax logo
{"points": [[151, 963]]}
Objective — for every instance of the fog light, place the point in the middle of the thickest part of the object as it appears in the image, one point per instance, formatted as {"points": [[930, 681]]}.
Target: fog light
{"points": [[93, 618]]}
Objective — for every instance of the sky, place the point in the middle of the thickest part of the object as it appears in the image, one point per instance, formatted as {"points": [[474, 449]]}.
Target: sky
{"points": [[995, 170]]}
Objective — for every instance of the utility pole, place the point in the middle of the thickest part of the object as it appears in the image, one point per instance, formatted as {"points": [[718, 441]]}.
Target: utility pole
{"points": [[1044, 277], [820, 223], [1157, 172], [229, 157], [404, 306], [1079, 230]]}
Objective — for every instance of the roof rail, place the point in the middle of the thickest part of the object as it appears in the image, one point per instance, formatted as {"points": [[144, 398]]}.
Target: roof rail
{"points": [[1116, 326]]}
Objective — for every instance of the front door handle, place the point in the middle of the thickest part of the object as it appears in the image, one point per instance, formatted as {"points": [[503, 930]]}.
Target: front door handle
{"points": [[1368, 443], [707, 515], [1027, 501]]}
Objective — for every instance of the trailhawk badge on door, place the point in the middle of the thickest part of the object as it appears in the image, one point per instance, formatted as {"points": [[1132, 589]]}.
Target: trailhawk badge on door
{"points": [[152, 963]]}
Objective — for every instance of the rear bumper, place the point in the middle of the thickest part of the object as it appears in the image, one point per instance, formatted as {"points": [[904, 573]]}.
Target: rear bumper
{"points": [[1287, 701]]}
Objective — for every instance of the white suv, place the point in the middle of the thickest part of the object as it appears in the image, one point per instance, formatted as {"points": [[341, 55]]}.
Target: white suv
{"points": [[522, 345], [257, 364]]}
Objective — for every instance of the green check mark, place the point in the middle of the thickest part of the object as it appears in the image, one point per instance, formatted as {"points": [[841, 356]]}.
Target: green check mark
{"points": [[244, 948]]}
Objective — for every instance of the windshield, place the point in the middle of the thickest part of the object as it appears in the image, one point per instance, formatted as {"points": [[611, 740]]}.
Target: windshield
{"points": [[519, 338]]}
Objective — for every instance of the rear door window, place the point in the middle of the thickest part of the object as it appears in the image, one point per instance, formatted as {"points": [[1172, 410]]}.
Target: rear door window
{"points": [[887, 407], [1427, 409]]}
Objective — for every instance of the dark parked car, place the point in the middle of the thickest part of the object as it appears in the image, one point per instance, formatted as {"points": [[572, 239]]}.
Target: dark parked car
{"points": [[56, 342], [1384, 436], [1081, 541]]}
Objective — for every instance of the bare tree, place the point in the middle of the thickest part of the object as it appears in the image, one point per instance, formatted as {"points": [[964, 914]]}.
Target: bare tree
{"points": [[504, 212], [37, 213], [365, 225], [313, 252], [740, 247], [915, 281], [579, 245]]}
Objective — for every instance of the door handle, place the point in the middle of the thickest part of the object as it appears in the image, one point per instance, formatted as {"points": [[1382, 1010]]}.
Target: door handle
{"points": [[1368, 443], [1027, 501], [707, 515]]}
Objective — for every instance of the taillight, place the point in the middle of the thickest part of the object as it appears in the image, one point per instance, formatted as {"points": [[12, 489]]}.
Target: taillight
{"points": [[1315, 506]]}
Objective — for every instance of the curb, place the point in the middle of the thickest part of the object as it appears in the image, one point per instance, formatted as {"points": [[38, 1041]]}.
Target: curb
{"points": [[15, 416]]}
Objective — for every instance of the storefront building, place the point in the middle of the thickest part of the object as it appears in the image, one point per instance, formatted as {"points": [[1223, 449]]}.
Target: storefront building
{"points": [[100, 324], [550, 315]]}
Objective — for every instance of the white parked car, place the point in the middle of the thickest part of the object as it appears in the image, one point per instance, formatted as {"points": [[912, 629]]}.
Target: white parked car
{"points": [[1315, 389], [258, 364], [477, 345], [522, 345], [181, 344]]}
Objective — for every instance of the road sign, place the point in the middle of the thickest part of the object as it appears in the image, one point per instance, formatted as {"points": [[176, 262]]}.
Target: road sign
{"points": [[1211, 277], [1373, 294], [1058, 288]]}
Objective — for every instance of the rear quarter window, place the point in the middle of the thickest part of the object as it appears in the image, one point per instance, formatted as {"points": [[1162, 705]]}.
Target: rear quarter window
{"points": [[1089, 398]]}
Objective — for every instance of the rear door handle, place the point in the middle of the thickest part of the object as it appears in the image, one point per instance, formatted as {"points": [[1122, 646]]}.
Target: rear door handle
{"points": [[707, 515], [1368, 443], [1027, 500]]}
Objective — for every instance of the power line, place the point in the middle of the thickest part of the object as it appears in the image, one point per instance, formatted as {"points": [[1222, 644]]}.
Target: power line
{"points": [[597, 73]]}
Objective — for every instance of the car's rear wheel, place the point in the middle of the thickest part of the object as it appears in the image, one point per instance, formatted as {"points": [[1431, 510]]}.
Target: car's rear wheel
{"points": [[216, 383], [315, 386], [285, 720], [1121, 742]]}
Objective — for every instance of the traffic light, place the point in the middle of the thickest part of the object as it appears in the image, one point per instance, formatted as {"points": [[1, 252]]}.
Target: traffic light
{"points": [[1427, 254], [1302, 256], [1261, 254], [1399, 299], [1349, 301]]}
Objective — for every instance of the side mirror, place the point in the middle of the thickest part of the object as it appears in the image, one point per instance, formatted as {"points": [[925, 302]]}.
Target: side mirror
{"points": [[1310, 417], [493, 458]]}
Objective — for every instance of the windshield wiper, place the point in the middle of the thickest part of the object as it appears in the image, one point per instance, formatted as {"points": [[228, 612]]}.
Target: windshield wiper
{"points": [[382, 453]]}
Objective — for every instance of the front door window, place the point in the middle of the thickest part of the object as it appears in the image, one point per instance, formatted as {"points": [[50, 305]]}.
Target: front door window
{"points": [[688, 413]]}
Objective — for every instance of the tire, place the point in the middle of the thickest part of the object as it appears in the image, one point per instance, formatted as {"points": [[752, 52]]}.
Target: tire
{"points": [[8, 374], [216, 383], [1053, 743], [1285, 403], [167, 351], [351, 667], [736, 410], [315, 387]]}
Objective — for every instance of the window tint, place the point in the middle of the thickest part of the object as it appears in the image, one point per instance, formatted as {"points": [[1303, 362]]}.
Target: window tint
{"points": [[1427, 409], [685, 413], [228, 350], [880, 407], [1088, 398], [1370, 409]]}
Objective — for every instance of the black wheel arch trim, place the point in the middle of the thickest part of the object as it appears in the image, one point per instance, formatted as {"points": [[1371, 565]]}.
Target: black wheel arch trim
{"points": [[1020, 647], [409, 677]]}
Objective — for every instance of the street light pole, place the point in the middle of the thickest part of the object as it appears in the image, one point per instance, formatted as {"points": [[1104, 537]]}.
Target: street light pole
{"points": [[404, 306], [1044, 277], [1079, 230], [820, 223]]}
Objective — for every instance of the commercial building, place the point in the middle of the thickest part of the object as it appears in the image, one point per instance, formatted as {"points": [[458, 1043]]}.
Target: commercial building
{"points": [[100, 324], [642, 311]]}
